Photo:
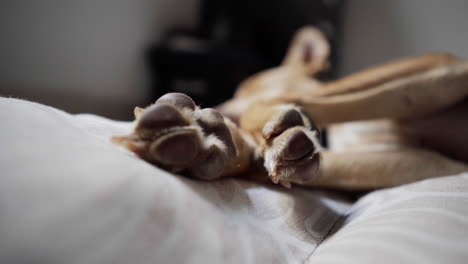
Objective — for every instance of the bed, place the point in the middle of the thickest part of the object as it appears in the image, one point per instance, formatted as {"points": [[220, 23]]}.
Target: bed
{"points": [[68, 195]]}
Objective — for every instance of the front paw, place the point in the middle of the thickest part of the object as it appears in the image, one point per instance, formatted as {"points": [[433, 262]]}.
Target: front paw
{"points": [[178, 136], [291, 146]]}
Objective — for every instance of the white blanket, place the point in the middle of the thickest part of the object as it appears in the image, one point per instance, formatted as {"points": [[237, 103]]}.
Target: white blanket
{"points": [[68, 195]]}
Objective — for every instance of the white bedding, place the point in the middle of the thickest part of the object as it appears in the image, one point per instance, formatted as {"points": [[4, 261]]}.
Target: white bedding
{"points": [[68, 195]]}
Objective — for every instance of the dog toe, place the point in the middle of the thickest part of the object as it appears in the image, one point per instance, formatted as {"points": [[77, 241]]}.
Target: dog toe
{"points": [[297, 146], [213, 123], [159, 117], [176, 149], [211, 165], [179, 100], [287, 119]]}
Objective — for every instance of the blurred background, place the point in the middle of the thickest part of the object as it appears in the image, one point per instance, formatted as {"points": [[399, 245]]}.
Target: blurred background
{"points": [[107, 56]]}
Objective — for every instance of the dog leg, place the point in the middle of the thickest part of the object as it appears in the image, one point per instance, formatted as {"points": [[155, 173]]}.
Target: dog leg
{"points": [[369, 170], [292, 154], [408, 97]]}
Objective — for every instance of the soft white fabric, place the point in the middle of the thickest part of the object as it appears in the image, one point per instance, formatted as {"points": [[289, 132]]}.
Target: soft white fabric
{"points": [[68, 195], [423, 222]]}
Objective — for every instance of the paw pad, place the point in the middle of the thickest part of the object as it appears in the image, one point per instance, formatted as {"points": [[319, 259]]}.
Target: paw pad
{"points": [[175, 134], [291, 144]]}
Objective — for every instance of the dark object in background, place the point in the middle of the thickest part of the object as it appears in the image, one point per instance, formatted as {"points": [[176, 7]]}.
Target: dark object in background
{"points": [[234, 39]]}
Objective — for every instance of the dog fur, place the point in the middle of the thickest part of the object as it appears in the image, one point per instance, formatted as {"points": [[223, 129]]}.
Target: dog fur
{"points": [[392, 124]]}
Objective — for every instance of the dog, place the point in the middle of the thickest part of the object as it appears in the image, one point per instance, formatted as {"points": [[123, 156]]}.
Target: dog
{"points": [[388, 125]]}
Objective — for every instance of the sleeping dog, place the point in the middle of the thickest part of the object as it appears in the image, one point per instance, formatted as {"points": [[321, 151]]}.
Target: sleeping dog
{"points": [[396, 123]]}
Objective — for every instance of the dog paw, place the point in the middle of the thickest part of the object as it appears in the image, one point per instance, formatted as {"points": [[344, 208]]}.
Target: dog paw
{"points": [[178, 136], [291, 146]]}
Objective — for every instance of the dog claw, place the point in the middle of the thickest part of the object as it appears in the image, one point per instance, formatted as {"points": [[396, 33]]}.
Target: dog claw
{"points": [[286, 184], [138, 111]]}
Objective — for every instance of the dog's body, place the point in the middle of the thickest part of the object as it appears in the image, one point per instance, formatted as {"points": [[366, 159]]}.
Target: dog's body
{"points": [[389, 125]]}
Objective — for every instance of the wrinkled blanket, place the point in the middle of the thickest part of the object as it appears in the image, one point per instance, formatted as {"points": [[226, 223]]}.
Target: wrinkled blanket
{"points": [[68, 195]]}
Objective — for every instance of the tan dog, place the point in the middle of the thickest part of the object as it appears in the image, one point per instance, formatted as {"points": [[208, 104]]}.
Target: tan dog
{"points": [[407, 120]]}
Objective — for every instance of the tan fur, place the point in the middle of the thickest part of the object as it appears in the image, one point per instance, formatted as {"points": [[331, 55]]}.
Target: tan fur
{"points": [[389, 125], [408, 96]]}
